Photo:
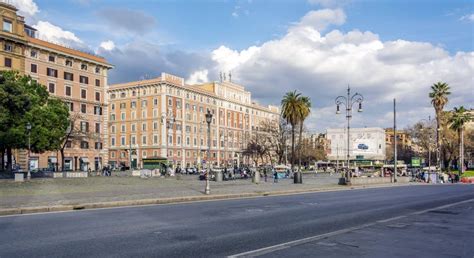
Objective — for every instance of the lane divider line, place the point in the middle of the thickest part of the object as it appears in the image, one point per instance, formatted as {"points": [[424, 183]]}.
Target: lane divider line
{"points": [[273, 248]]}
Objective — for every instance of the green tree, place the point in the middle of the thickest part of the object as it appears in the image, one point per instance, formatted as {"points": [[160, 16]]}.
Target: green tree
{"points": [[305, 110], [457, 120], [22, 101], [439, 98], [291, 107]]}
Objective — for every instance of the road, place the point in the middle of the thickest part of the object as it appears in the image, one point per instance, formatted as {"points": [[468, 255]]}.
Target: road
{"points": [[358, 220]]}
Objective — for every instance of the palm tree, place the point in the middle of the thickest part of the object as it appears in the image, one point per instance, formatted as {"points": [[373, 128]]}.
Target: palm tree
{"points": [[439, 98], [304, 113], [290, 110], [458, 119]]}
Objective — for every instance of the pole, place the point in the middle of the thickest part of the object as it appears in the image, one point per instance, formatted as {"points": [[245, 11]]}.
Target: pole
{"points": [[28, 176], [348, 116], [337, 158], [461, 153], [208, 190], [394, 141], [130, 151]]}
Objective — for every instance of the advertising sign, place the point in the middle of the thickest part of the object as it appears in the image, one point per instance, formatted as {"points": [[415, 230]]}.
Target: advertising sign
{"points": [[364, 146], [415, 162]]}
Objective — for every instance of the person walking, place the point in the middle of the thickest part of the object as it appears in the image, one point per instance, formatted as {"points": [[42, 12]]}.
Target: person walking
{"points": [[275, 177], [265, 174]]}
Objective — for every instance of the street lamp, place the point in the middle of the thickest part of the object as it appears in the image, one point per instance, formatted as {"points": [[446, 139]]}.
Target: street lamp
{"points": [[348, 102], [169, 125], [28, 129], [208, 121]]}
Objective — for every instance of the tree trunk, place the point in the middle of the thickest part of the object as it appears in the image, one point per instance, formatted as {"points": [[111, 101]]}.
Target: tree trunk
{"points": [[2, 152], [62, 159], [9, 159], [300, 146], [292, 147]]}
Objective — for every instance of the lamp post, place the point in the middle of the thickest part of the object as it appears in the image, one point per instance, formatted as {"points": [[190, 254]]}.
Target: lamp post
{"points": [[169, 125], [348, 102], [28, 129], [208, 121]]}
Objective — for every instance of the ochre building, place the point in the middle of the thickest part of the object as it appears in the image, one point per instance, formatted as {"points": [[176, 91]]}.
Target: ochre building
{"points": [[164, 117]]}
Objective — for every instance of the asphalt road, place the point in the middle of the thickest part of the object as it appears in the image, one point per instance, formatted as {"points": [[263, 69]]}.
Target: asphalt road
{"points": [[223, 228]]}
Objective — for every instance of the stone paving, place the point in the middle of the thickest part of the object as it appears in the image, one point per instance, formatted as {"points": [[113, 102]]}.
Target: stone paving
{"points": [[70, 191]]}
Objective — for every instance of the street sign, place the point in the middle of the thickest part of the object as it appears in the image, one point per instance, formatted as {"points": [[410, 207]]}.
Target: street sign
{"points": [[415, 162], [359, 157]]}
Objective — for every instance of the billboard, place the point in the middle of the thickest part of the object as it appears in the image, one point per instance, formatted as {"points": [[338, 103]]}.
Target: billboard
{"points": [[364, 147]]}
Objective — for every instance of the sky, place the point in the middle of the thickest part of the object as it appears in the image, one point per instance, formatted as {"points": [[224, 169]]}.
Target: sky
{"points": [[383, 49]]}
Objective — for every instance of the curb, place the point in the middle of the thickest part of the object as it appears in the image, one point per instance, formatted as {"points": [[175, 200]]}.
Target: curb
{"points": [[171, 200]]}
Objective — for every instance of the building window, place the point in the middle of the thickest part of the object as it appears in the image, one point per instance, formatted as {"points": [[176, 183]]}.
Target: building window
{"points": [[97, 69], [8, 62], [112, 117], [51, 88], [83, 108], [134, 127], [144, 127], [52, 58], [84, 127], [83, 93], [84, 145], [97, 127], [133, 139], [144, 139], [122, 140], [98, 146], [52, 72], [122, 116], [112, 141], [97, 96], [97, 82], [84, 67], [97, 110], [7, 26], [123, 129], [112, 128], [113, 96], [68, 91], [155, 139], [68, 144], [34, 68], [70, 106], [133, 104], [34, 53], [8, 47], [68, 76], [68, 63], [83, 79]]}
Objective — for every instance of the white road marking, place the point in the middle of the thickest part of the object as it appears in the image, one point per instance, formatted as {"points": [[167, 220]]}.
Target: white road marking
{"points": [[270, 249]]}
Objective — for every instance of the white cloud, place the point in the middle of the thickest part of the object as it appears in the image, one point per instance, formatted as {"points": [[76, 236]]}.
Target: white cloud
{"points": [[235, 14], [108, 45], [468, 17], [199, 76], [321, 65], [26, 7], [55, 34], [321, 19]]}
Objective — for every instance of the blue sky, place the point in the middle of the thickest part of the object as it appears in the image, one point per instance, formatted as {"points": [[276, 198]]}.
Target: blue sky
{"points": [[204, 25], [383, 49]]}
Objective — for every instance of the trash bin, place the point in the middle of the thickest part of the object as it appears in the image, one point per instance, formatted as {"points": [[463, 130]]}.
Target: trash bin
{"points": [[297, 178], [256, 177], [218, 176], [19, 176]]}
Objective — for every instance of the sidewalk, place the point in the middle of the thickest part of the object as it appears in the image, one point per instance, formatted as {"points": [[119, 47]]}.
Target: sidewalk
{"points": [[79, 193]]}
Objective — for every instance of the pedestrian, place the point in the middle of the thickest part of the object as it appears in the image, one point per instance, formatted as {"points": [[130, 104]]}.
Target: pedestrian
{"points": [[265, 174], [275, 177]]}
